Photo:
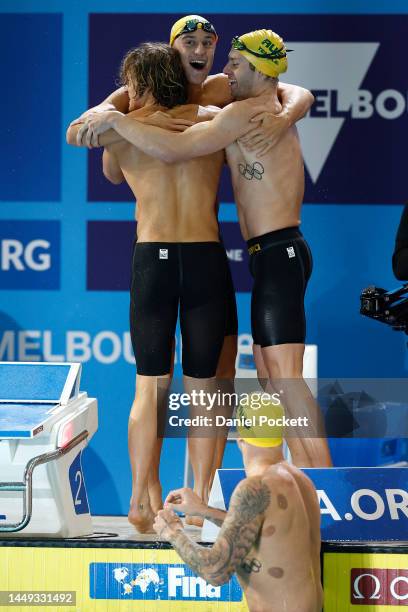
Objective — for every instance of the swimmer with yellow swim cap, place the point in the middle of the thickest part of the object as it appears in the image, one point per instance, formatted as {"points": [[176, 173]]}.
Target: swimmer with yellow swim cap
{"points": [[191, 23], [265, 53], [259, 422], [195, 39], [265, 50], [196, 46], [269, 191], [270, 536]]}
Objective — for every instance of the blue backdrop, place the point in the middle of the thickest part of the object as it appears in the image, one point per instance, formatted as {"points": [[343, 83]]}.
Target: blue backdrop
{"points": [[66, 233]]}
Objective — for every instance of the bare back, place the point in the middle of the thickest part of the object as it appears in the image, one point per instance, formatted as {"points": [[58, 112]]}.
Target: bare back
{"points": [[268, 190], [282, 569], [175, 202]]}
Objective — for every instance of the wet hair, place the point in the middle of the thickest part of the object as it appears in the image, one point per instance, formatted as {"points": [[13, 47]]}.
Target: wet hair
{"points": [[156, 67]]}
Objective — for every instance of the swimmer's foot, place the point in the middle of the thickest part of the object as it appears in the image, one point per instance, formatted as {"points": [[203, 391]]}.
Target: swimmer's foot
{"points": [[197, 521], [141, 516], [155, 496]]}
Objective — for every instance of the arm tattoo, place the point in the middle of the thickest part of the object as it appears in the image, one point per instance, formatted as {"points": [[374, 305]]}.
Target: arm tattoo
{"points": [[238, 533], [251, 172]]}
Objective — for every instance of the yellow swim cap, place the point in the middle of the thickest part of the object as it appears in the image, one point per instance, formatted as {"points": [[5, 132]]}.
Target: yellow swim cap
{"points": [[191, 23], [264, 49], [261, 429]]}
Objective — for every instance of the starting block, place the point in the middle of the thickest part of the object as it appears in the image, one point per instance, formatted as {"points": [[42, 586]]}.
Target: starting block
{"points": [[45, 423]]}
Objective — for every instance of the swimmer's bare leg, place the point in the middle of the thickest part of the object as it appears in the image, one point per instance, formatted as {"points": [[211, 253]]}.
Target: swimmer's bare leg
{"points": [[225, 379], [201, 449], [143, 450], [154, 485], [261, 370], [284, 364], [297, 451]]}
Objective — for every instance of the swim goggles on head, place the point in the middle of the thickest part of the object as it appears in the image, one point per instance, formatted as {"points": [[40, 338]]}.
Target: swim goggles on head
{"points": [[274, 55], [195, 24]]}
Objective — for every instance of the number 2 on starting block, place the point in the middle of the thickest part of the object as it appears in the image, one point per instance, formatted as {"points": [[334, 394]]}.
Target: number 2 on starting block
{"points": [[78, 491]]}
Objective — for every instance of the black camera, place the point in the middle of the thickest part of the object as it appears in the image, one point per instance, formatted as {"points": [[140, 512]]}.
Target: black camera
{"points": [[390, 307]]}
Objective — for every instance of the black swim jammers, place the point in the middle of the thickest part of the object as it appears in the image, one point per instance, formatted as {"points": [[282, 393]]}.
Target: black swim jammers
{"points": [[281, 264], [192, 276], [231, 323]]}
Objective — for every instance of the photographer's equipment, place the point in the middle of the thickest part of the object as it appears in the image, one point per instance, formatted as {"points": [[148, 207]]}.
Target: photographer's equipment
{"points": [[390, 307]]}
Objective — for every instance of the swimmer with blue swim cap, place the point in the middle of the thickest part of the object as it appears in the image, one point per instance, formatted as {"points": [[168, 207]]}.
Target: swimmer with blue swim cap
{"points": [[270, 535]]}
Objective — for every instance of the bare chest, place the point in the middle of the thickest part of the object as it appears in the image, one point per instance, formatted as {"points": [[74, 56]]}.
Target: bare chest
{"points": [[246, 169]]}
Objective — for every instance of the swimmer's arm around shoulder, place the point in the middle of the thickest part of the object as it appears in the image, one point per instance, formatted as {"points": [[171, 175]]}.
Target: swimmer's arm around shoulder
{"points": [[96, 130], [117, 100], [201, 139], [107, 138], [269, 128], [240, 530], [296, 101]]}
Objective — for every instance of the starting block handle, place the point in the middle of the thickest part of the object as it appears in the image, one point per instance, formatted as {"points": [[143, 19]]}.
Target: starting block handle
{"points": [[12, 486], [26, 487]]}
